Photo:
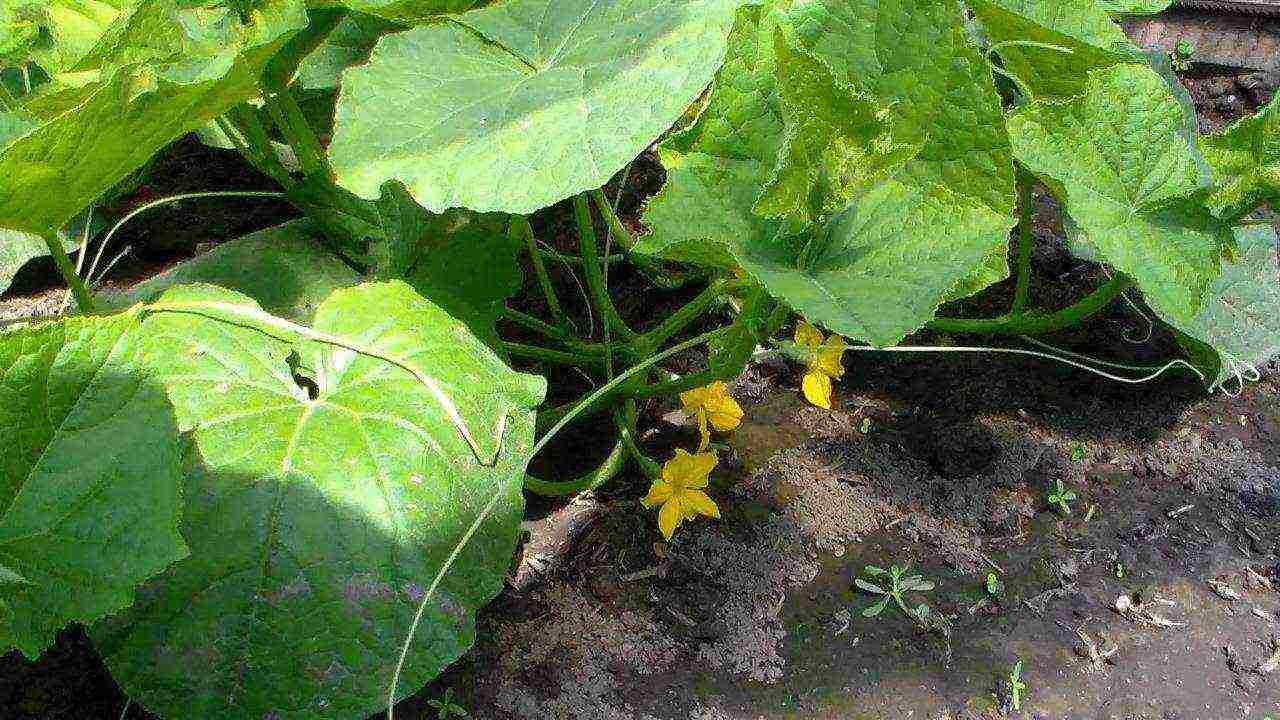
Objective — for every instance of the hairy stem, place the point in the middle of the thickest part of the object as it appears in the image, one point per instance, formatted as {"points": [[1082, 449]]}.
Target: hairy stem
{"points": [[83, 300], [604, 472], [1036, 324], [591, 269], [650, 269], [289, 119], [682, 317], [520, 224], [533, 352], [625, 418]]}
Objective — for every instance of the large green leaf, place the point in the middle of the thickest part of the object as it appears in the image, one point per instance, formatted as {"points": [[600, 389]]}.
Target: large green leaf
{"points": [[407, 11], [1082, 31], [462, 261], [90, 482], [896, 248], [287, 269], [837, 141], [1238, 329], [879, 269], [704, 208], [741, 119], [1246, 162], [107, 129], [349, 44], [317, 517], [56, 34], [521, 104], [915, 57], [1127, 172]]}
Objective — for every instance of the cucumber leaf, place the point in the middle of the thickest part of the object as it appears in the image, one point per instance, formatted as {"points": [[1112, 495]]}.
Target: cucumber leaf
{"points": [[1238, 329], [837, 141], [96, 134], [90, 481], [349, 44], [1246, 162], [520, 104], [1127, 174], [55, 34], [405, 11], [318, 512], [704, 208], [916, 59], [741, 119], [286, 269], [462, 261], [1083, 28], [867, 245], [880, 268]]}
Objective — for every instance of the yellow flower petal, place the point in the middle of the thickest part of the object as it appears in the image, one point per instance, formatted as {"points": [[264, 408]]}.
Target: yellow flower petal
{"points": [[696, 502], [659, 493], [670, 517], [693, 400], [676, 469], [725, 413], [817, 389], [807, 335], [700, 466], [829, 359]]}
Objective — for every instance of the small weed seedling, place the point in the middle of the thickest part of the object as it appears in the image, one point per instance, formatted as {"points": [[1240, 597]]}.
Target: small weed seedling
{"points": [[1180, 56], [901, 583], [1016, 686], [994, 587], [446, 707], [1061, 497]]}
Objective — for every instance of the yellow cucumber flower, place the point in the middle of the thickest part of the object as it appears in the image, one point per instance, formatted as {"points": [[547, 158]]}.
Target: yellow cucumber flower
{"points": [[712, 404], [680, 491], [826, 361]]}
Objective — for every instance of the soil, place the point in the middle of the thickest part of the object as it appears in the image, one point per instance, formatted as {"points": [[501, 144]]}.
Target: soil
{"points": [[945, 462]]}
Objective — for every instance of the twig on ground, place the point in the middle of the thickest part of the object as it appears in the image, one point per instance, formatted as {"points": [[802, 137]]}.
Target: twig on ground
{"points": [[553, 539]]}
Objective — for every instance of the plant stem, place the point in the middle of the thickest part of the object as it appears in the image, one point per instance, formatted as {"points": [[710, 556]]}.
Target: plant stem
{"points": [[1037, 324], [652, 270], [530, 322], [625, 418], [83, 300], [575, 260], [1026, 240], [689, 312], [293, 125], [260, 153], [533, 352], [591, 269], [605, 471], [520, 224]]}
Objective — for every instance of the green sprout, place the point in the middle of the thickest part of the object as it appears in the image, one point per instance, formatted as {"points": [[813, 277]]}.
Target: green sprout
{"points": [[994, 586], [445, 706], [1016, 686], [902, 582], [1180, 56], [1061, 497]]}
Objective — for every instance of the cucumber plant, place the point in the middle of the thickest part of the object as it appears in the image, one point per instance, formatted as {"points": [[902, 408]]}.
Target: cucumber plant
{"points": [[250, 477]]}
